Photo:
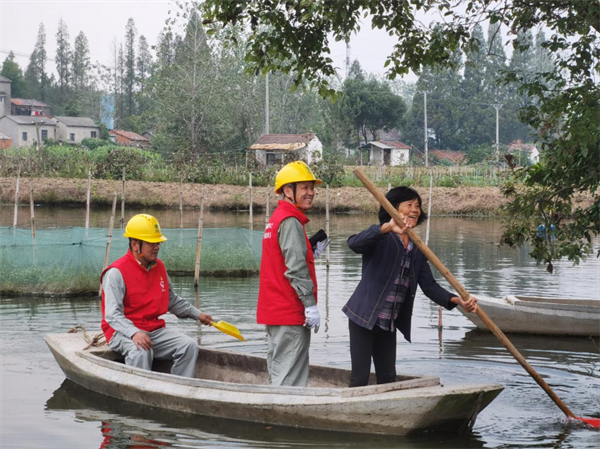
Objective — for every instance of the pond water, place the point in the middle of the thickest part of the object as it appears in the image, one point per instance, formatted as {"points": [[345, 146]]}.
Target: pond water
{"points": [[40, 409]]}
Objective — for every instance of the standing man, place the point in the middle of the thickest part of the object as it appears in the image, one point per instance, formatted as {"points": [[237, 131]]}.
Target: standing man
{"points": [[287, 297], [136, 291]]}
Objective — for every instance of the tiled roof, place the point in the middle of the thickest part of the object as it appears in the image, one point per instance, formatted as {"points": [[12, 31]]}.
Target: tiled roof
{"points": [[388, 144], [4, 136], [5, 79], [397, 144], [28, 102], [77, 121], [31, 119], [129, 135]]}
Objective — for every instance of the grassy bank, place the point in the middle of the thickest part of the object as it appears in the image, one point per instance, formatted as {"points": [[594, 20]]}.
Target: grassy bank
{"points": [[463, 200]]}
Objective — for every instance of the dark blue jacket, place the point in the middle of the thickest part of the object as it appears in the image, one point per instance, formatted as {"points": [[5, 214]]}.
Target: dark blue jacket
{"points": [[381, 258]]}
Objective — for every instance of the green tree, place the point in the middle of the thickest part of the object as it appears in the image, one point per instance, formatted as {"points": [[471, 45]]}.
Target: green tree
{"points": [[63, 59], [12, 71], [36, 75], [143, 70], [563, 111], [370, 104], [129, 76], [81, 63]]}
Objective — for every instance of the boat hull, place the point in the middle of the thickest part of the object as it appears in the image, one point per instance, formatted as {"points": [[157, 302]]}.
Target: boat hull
{"points": [[385, 409], [544, 316]]}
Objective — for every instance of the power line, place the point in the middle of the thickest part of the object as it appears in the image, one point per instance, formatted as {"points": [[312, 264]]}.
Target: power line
{"points": [[18, 53]]}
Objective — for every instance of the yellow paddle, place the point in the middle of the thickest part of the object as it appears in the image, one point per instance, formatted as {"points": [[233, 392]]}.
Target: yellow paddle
{"points": [[229, 329]]}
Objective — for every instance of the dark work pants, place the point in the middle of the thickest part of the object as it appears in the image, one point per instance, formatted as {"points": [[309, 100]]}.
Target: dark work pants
{"points": [[378, 344]]}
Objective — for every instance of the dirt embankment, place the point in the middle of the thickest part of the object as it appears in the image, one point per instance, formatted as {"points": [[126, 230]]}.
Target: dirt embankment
{"points": [[454, 201]]}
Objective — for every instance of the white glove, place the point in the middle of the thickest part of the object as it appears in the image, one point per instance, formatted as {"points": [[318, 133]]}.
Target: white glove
{"points": [[321, 247], [313, 318]]}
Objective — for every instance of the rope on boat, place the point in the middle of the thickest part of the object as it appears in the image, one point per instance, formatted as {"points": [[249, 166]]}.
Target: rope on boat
{"points": [[97, 341]]}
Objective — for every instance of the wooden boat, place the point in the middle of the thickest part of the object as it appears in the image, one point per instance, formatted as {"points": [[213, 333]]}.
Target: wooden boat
{"points": [[549, 316], [232, 385]]}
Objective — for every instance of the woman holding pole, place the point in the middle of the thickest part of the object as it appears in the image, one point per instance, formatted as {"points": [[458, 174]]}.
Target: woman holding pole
{"points": [[382, 303]]}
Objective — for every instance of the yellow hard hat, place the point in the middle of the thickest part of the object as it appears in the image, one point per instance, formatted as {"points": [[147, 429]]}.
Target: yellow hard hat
{"points": [[296, 171], [144, 227]]}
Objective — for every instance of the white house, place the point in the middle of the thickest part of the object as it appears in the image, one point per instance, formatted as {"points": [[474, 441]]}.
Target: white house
{"points": [[23, 129], [75, 129], [270, 148], [390, 153]]}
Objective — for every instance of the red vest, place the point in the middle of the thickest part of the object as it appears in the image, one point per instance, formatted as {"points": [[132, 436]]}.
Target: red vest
{"points": [[278, 302], [146, 294]]}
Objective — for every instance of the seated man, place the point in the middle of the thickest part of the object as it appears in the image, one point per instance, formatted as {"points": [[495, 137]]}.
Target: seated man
{"points": [[136, 291]]}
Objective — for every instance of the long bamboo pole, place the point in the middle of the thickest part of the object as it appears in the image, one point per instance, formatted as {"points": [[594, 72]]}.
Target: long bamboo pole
{"points": [[87, 198], [110, 233], [16, 217], [464, 293]]}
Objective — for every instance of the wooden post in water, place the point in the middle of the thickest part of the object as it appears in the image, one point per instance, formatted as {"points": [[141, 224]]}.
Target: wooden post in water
{"points": [[16, 218], [110, 233], [268, 207], [327, 223], [198, 249], [123, 202], [32, 221], [87, 199], [181, 202], [250, 185], [31, 208]]}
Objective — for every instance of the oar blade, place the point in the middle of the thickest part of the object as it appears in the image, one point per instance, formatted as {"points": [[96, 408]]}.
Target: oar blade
{"points": [[229, 329], [594, 422]]}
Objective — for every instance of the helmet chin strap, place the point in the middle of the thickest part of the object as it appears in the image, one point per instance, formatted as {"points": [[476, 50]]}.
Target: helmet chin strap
{"points": [[140, 257], [293, 200]]}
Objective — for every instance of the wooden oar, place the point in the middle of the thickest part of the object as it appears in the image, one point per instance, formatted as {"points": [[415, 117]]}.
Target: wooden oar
{"points": [[464, 294]]}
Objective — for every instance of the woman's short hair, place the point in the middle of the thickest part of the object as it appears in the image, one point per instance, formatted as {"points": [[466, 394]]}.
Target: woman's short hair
{"points": [[399, 195]]}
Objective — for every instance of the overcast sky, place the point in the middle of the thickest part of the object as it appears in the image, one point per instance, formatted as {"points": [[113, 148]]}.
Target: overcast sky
{"points": [[103, 20]]}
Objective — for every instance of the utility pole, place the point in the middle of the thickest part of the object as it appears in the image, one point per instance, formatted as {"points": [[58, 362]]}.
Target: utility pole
{"points": [[426, 132], [267, 105], [497, 107]]}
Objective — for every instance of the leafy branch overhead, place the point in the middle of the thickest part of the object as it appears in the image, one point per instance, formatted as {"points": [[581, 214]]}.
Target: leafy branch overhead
{"points": [[564, 107]]}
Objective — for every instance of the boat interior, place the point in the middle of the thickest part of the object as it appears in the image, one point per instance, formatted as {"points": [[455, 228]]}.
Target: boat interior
{"points": [[240, 368], [570, 302]]}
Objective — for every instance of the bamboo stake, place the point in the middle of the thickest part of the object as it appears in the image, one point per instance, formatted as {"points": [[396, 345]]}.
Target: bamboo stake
{"points": [[16, 218], [123, 202], [462, 291], [199, 247], [31, 208], [327, 222], [32, 222], [110, 233], [181, 202], [268, 207], [250, 185], [87, 199]]}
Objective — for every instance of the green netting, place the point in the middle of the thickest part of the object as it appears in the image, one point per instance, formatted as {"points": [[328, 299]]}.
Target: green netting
{"points": [[66, 261]]}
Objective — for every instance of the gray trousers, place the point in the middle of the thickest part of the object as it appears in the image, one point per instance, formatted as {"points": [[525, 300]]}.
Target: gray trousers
{"points": [[287, 356], [167, 344]]}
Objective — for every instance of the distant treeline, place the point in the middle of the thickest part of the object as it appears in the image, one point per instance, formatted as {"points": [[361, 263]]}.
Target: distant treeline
{"points": [[192, 90]]}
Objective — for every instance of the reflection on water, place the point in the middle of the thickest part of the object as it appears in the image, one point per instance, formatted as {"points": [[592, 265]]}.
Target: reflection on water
{"points": [[37, 411]]}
